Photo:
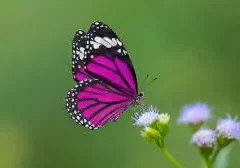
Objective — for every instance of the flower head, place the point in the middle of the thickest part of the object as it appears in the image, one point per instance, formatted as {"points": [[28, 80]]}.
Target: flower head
{"points": [[164, 118], [204, 138], [162, 123], [195, 113], [146, 118], [229, 128], [155, 126], [150, 135]]}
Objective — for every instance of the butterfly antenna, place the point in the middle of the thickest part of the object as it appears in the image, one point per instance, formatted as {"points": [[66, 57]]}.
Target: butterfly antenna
{"points": [[148, 84], [144, 81], [146, 77], [152, 81]]}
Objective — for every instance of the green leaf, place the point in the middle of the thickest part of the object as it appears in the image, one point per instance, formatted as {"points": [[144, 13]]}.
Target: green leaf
{"points": [[222, 160]]}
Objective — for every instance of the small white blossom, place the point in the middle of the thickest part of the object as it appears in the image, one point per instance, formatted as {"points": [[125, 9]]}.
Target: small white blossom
{"points": [[204, 138], [195, 113], [147, 117], [229, 128], [164, 118]]}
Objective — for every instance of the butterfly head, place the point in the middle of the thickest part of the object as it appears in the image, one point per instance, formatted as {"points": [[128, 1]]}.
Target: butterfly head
{"points": [[137, 98], [141, 95]]}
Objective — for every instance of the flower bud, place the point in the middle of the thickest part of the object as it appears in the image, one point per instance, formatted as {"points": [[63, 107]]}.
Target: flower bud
{"points": [[150, 135], [163, 124]]}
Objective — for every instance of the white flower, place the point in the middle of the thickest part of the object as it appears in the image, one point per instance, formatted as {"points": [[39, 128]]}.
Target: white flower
{"points": [[164, 118], [204, 138], [147, 117], [229, 128], [195, 113]]}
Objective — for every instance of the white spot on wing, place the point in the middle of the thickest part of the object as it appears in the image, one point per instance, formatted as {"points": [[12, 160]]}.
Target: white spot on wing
{"points": [[114, 41], [110, 41], [81, 56], [119, 42], [95, 45], [102, 41], [82, 49]]}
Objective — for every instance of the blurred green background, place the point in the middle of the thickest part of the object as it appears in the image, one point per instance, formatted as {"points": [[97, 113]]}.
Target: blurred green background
{"points": [[192, 47]]}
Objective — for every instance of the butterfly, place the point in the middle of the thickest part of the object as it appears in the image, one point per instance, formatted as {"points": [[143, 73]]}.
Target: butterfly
{"points": [[106, 80]]}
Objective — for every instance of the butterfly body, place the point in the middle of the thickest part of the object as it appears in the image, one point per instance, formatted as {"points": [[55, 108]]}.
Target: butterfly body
{"points": [[106, 81]]}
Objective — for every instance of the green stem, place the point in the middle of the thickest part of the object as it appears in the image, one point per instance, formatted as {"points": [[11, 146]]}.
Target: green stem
{"points": [[210, 164], [212, 160], [169, 156], [205, 160], [214, 157], [206, 157]]}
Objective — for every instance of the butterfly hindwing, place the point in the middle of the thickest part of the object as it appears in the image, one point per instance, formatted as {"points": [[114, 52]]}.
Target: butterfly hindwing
{"points": [[92, 104]]}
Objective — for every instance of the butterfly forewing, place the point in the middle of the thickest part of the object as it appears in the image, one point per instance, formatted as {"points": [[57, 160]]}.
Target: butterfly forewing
{"points": [[79, 44], [106, 58]]}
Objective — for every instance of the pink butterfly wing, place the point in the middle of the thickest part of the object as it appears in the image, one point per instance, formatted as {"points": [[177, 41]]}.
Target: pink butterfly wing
{"points": [[100, 54], [92, 104]]}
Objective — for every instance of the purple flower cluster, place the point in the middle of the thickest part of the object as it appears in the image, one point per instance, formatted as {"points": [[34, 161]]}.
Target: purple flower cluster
{"points": [[204, 138], [197, 114], [229, 128]]}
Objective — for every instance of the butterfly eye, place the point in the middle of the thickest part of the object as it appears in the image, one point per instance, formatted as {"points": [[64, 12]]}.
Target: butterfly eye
{"points": [[141, 94]]}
